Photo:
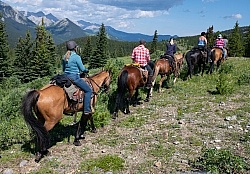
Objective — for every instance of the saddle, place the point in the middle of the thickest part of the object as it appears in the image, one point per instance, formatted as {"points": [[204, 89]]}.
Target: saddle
{"points": [[171, 60], [74, 93]]}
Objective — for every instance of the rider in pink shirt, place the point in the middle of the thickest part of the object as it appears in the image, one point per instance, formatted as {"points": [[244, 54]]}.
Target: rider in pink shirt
{"points": [[219, 43]]}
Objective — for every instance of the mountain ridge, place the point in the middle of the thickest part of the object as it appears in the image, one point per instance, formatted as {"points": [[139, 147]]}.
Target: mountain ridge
{"points": [[19, 22]]}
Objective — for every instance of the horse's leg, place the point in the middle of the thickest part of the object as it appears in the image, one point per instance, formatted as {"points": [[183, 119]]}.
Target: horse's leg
{"points": [[128, 100], [203, 68], [48, 124], [93, 128], [136, 102], [82, 124], [160, 83], [151, 89]]}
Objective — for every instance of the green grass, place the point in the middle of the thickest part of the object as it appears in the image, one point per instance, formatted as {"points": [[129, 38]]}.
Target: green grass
{"points": [[104, 163]]}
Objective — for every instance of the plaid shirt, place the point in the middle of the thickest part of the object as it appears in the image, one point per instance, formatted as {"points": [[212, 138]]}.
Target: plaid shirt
{"points": [[140, 55]]}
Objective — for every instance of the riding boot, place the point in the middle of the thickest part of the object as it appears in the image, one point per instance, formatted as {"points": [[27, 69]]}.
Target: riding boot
{"points": [[149, 82]]}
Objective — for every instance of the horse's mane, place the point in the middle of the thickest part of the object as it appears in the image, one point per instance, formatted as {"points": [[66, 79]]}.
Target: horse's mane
{"points": [[97, 73]]}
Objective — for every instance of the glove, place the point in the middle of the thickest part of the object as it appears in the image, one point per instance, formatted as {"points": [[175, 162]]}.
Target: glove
{"points": [[86, 71]]}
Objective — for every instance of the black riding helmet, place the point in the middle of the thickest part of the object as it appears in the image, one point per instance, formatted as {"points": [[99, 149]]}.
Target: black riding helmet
{"points": [[71, 45], [203, 33]]}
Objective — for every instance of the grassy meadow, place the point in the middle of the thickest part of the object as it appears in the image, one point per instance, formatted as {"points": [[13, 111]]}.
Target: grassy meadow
{"points": [[196, 125]]}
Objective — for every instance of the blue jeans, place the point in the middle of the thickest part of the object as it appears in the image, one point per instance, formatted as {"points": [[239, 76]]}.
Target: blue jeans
{"points": [[149, 69], [85, 87]]}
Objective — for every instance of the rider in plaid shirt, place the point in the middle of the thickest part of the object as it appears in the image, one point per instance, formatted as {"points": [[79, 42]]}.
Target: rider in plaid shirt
{"points": [[141, 55]]}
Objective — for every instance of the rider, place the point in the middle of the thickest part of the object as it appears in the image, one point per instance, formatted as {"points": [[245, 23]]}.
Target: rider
{"points": [[202, 45], [170, 51], [219, 43], [141, 55], [72, 66]]}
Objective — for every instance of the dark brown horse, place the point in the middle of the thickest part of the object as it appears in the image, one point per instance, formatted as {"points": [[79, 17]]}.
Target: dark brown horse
{"points": [[217, 58], [194, 58], [130, 79], [50, 103], [163, 67]]}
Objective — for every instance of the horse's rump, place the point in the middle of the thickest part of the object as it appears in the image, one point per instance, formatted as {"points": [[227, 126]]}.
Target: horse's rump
{"points": [[163, 66], [136, 76], [216, 54]]}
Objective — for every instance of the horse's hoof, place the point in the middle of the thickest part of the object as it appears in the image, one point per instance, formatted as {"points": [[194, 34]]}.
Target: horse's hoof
{"points": [[146, 100], [82, 136], [77, 143], [94, 130], [115, 115], [39, 156], [134, 105]]}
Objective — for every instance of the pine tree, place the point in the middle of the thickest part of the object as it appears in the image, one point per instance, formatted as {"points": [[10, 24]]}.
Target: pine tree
{"points": [[236, 48], [5, 63], [23, 51], [87, 51], [154, 43], [99, 58], [247, 45], [44, 52], [210, 37]]}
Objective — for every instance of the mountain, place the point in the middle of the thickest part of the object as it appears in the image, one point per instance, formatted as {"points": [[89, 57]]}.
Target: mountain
{"points": [[19, 22], [64, 30], [37, 18]]}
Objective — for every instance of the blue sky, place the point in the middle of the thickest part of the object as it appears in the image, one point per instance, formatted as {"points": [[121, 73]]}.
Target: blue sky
{"points": [[173, 17]]}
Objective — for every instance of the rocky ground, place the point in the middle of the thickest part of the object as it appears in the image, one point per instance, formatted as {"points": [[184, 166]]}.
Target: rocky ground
{"points": [[160, 136]]}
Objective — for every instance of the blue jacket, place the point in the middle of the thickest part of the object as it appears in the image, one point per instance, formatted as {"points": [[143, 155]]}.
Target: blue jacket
{"points": [[74, 65], [171, 49]]}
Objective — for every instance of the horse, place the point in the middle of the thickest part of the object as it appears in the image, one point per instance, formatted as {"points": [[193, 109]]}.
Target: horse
{"points": [[44, 108], [163, 67], [130, 79], [217, 58], [195, 57]]}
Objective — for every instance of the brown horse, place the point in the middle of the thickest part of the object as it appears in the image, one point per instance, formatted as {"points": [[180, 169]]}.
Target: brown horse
{"points": [[217, 58], [163, 67], [51, 102], [131, 78]]}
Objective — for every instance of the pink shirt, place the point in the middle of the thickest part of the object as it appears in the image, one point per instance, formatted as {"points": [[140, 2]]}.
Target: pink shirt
{"points": [[219, 43], [140, 55]]}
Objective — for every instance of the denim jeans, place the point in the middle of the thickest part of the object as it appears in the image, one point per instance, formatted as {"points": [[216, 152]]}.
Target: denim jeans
{"points": [[149, 69], [85, 87]]}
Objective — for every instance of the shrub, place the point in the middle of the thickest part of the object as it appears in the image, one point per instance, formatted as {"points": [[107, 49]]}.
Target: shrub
{"points": [[220, 161]]}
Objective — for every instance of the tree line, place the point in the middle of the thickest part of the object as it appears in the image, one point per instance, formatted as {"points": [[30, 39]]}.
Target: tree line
{"points": [[40, 57]]}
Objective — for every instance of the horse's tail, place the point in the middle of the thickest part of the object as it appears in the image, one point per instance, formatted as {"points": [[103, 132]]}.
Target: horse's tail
{"points": [[122, 82], [28, 103], [213, 55], [156, 71]]}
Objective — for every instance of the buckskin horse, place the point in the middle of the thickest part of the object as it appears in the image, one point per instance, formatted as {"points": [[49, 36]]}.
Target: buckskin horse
{"points": [[195, 57], [163, 67], [217, 58], [130, 79], [50, 103]]}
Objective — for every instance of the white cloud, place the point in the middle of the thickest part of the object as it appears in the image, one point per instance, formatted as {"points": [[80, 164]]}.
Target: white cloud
{"points": [[233, 16]]}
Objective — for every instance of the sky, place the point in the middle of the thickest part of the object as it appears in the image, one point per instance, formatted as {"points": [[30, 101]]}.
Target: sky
{"points": [[168, 17]]}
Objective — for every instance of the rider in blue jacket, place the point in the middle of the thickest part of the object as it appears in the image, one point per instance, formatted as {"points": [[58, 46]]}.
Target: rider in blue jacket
{"points": [[72, 67]]}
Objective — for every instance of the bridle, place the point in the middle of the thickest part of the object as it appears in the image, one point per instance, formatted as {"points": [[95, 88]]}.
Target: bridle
{"points": [[104, 86]]}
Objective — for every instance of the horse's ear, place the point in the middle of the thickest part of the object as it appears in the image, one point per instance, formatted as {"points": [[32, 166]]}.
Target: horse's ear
{"points": [[102, 68]]}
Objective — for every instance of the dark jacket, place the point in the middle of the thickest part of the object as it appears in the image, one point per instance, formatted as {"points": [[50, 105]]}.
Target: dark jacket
{"points": [[171, 49]]}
